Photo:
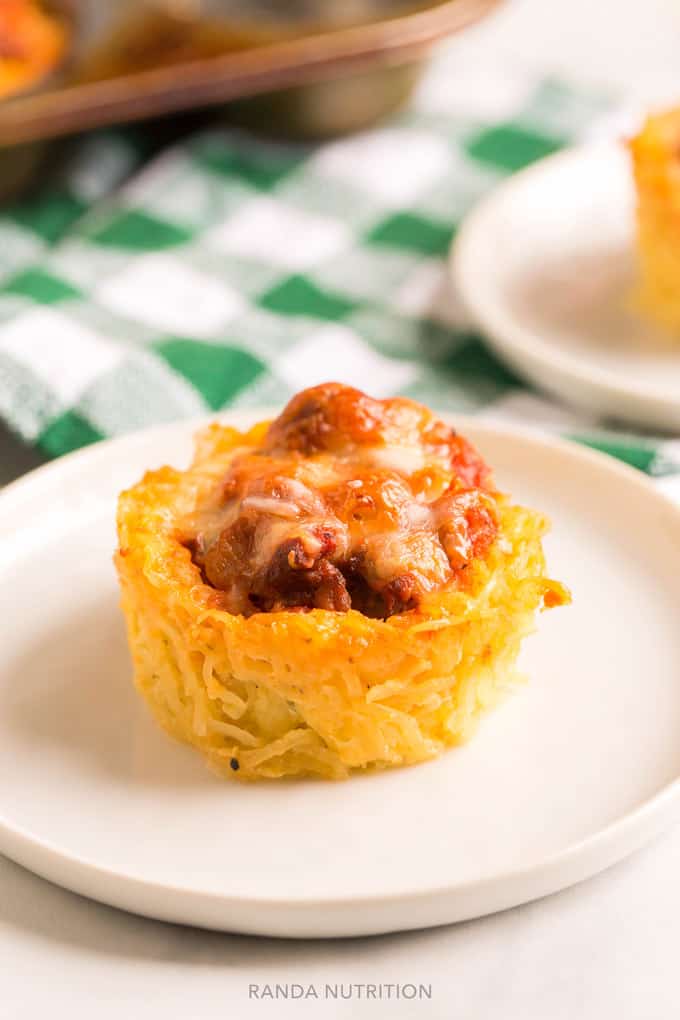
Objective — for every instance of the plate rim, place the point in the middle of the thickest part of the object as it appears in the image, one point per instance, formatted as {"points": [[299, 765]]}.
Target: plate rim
{"points": [[505, 332], [548, 874]]}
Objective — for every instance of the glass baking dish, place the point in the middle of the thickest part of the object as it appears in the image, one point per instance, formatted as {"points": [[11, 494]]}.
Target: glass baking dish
{"points": [[272, 65], [311, 76]]}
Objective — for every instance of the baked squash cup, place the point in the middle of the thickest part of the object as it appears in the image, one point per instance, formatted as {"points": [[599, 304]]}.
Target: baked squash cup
{"points": [[341, 589], [656, 170]]}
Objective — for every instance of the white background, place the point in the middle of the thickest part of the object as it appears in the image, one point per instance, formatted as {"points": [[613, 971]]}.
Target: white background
{"points": [[608, 948]]}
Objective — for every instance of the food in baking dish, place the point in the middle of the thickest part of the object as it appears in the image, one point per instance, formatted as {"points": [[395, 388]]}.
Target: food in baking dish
{"points": [[32, 43], [341, 588], [656, 165]]}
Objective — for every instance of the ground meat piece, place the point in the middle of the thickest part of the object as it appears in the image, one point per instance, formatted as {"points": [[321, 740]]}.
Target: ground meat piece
{"points": [[222, 562], [327, 417], [467, 525], [401, 594], [301, 578], [293, 556]]}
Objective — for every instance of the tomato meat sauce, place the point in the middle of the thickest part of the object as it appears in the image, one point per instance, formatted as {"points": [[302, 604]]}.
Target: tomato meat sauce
{"points": [[348, 503]]}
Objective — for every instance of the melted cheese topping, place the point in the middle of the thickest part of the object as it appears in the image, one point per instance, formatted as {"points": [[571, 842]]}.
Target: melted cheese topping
{"points": [[334, 512], [403, 459]]}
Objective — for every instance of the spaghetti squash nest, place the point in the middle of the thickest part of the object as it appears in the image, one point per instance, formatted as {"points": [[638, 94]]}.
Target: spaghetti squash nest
{"points": [[656, 170], [315, 692]]}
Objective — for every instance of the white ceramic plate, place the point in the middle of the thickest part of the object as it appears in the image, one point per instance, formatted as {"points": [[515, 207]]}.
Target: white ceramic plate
{"points": [[546, 267], [574, 771]]}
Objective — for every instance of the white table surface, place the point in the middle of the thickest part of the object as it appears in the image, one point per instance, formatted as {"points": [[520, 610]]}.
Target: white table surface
{"points": [[608, 948]]}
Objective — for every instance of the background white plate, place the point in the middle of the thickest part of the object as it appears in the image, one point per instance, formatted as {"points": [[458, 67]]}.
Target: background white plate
{"points": [[571, 773], [546, 267]]}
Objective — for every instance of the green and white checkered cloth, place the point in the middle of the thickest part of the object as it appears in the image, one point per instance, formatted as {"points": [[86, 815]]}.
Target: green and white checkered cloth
{"points": [[232, 272]]}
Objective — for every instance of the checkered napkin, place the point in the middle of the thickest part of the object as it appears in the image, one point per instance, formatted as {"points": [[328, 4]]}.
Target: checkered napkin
{"points": [[232, 271]]}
